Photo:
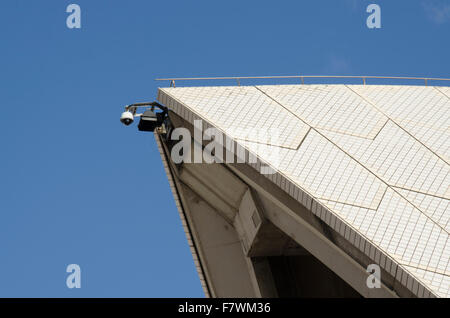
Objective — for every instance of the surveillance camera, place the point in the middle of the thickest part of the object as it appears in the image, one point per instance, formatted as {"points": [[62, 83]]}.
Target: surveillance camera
{"points": [[126, 118]]}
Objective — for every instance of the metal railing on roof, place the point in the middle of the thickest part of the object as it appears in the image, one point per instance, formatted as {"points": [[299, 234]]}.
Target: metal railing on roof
{"points": [[301, 78]]}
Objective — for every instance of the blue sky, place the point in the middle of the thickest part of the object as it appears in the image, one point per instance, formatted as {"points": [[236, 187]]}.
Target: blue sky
{"points": [[79, 187]]}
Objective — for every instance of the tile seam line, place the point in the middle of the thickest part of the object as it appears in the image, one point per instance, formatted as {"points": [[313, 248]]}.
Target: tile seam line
{"points": [[382, 197], [382, 127], [354, 159], [397, 124], [225, 133], [267, 144], [424, 193], [418, 279], [352, 135], [303, 139], [353, 205], [436, 88], [425, 270]]}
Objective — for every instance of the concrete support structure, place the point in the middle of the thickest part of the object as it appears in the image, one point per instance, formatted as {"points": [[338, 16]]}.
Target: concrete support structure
{"points": [[252, 240]]}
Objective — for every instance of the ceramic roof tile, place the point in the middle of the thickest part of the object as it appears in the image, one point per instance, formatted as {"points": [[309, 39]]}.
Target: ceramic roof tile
{"points": [[374, 157]]}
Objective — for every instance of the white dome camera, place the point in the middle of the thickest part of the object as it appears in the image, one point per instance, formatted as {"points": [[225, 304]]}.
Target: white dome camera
{"points": [[127, 118], [149, 119]]}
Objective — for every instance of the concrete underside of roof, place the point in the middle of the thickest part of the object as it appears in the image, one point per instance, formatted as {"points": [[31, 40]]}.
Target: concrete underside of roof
{"points": [[253, 240]]}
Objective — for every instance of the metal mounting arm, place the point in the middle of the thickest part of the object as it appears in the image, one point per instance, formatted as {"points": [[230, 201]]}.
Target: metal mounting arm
{"points": [[133, 107]]}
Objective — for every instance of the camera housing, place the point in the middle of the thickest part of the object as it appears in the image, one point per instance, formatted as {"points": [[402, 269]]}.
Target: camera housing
{"points": [[149, 120], [127, 118]]}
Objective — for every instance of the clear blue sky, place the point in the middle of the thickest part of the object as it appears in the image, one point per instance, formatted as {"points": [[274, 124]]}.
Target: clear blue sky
{"points": [[78, 187]]}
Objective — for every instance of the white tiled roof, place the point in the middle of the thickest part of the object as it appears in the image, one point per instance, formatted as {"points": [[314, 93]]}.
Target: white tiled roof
{"points": [[371, 161]]}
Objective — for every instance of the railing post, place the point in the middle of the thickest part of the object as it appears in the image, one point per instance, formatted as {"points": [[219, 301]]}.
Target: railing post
{"points": [[238, 81], [364, 81], [303, 80], [426, 81]]}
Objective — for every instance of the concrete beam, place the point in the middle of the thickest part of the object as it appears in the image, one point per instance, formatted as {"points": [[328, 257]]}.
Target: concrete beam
{"points": [[221, 253], [258, 235], [308, 236]]}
